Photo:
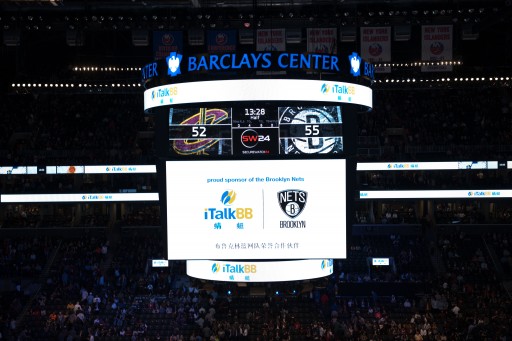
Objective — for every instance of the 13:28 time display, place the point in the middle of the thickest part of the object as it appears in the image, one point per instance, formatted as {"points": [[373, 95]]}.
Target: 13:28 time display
{"points": [[254, 111]]}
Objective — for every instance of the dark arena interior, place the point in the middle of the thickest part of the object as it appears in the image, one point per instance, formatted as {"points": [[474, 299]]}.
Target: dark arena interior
{"points": [[253, 170]]}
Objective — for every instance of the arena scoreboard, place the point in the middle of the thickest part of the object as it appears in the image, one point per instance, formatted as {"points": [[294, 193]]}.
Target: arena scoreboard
{"points": [[256, 152], [255, 130]]}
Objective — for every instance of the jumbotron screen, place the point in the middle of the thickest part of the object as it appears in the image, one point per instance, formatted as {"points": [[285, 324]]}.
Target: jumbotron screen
{"points": [[255, 130], [256, 209]]}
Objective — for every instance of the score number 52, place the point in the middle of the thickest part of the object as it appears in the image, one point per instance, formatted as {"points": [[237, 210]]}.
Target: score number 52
{"points": [[199, 131]]}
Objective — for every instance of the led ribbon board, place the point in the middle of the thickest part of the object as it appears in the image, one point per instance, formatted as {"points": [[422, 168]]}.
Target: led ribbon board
{"points": [[177, 67], [437, 194], [238, 90], [268, 271]]}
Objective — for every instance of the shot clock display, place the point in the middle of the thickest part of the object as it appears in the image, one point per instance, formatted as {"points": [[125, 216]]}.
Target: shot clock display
{"points": [[258, 130]]}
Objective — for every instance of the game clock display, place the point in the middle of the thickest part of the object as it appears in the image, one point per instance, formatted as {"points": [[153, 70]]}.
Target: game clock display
{"points": [[260, 130]]}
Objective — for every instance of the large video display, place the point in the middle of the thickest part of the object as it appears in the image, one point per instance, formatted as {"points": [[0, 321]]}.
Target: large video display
{"points": [[255, 130], [256, 209], [263, 271]]}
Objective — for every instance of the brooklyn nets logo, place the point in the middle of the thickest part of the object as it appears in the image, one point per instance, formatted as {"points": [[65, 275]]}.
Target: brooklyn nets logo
{"points": [[292, 201], [312, 129]]}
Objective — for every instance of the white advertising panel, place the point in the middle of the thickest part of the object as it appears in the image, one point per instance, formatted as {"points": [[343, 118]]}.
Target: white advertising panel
{"points": [[160, 263], [70, 169], [251, 90], [256, 209], [271, 271], [403, 166], [13, 170], [120, 169], [434, 194], [78, 197], [380, 261]]}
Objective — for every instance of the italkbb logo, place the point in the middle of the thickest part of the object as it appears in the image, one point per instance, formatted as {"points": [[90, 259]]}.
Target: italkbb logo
{"points": [[228, 198], [234, 268]]}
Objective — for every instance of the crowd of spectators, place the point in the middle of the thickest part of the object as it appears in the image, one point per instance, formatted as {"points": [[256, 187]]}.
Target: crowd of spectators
{"points": [[73, 129], [100, 287], [435, 179], [453, 124], [77, 183], [441, 124], [39, 216], [445, 212]]}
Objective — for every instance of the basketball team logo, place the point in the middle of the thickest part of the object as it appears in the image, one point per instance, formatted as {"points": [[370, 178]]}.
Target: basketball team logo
{"points": [[199, 145], [313, 130], [292, 201]]}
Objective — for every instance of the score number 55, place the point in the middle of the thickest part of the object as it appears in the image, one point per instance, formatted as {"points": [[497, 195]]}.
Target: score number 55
{"points": [[311, 130]]}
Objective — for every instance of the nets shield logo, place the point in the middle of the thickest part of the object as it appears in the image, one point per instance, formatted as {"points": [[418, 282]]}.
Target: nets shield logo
{"points": [[173, 62], [355, 63], [292, 201]]}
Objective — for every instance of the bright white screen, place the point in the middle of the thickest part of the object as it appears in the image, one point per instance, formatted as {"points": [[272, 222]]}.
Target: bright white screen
{"points": [[209, 216], [380, 261], [263, 271]]}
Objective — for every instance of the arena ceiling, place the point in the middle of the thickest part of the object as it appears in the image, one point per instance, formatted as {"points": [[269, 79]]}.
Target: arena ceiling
{"points": [[294, 13], [23, 5]]}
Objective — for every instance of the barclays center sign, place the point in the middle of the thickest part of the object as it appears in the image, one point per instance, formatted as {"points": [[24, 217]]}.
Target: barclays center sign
{"points": [[216, 64]]}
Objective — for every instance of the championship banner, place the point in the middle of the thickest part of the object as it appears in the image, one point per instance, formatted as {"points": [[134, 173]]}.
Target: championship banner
{"points": [[165, 42], [221, 41], [376, 46], [436, 45], [322, 40], [271, 40]]}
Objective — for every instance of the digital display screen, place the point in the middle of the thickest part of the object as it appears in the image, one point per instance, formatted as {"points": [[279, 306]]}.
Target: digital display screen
{"points": [[260, 130], [380, 261], [263, 271], [250, 91], [256, 209]]}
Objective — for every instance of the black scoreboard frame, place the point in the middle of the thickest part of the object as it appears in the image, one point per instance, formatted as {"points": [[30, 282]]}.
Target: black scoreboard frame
{"points": [[344, 130]]}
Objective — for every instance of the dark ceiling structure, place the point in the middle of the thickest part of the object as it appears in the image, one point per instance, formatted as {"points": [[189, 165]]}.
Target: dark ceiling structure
{"points": [[90, 31], [150, 13]]}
